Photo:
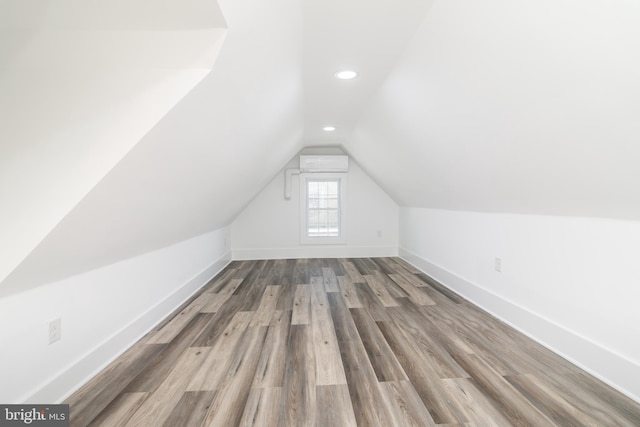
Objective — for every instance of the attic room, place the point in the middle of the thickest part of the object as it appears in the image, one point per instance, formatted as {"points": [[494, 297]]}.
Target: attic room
{"points": [[150, 154]]}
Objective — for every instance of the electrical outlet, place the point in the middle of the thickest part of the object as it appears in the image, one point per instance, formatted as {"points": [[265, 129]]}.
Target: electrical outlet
{"points": [[498, 264], [55, 330]]}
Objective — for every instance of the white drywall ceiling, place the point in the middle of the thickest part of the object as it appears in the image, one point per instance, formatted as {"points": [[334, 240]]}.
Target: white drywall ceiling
{"points": [[527, 107], [360, 35]]}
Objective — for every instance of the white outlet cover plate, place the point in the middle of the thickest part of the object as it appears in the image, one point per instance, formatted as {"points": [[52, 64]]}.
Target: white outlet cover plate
{"points": [[55, 330]]}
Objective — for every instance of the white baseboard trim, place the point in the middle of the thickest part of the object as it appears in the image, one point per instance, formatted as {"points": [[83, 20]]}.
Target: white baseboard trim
{"points": [[312, 251], [601, 362], [87, 366]]}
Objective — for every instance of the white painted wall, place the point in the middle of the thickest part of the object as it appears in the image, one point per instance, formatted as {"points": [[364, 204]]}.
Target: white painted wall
{"points": [[269, 227], [103, 312], [569, 282], [81, 84]]}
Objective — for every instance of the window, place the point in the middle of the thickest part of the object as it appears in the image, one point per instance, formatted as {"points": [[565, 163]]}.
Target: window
{"points": [[322, 213], [323, 208]]}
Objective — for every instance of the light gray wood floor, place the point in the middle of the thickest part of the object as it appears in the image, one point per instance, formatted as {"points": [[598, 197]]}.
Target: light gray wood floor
{"points": [[340, 342]]}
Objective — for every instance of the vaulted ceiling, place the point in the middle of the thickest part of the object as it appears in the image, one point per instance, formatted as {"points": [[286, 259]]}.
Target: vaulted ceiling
{"points": [[131, 125]]}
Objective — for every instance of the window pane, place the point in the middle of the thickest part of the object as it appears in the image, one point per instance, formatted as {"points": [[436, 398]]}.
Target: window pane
{"points": [[312, 189], [332, 218], [332, 189], [325, 188]]}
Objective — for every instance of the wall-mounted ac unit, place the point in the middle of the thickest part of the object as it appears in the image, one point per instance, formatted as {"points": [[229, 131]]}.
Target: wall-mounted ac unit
{"points": [[324, 163]]}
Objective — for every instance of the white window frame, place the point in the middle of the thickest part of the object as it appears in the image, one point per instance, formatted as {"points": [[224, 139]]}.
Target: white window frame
{"points": [[305, 239]]}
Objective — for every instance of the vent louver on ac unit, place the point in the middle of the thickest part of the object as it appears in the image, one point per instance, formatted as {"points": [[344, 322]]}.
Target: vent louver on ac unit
{"points": [[324, 163]]}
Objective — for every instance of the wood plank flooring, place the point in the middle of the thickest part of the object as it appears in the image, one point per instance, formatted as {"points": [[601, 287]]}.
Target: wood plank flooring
{"points": [[340, 342]]}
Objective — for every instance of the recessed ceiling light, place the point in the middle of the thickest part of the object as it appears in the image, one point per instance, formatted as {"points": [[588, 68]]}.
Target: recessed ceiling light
{"points": [[328, 128], [346, 75]]}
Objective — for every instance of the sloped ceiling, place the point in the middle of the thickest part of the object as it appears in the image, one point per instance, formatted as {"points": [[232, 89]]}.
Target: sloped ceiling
{"points": [[497, 106], [365, 36], [196, 168], [80, 86], [511, 106]]}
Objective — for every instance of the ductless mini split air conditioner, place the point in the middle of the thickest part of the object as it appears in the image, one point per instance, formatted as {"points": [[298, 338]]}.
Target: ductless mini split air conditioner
{"points": [[324, 163]]}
